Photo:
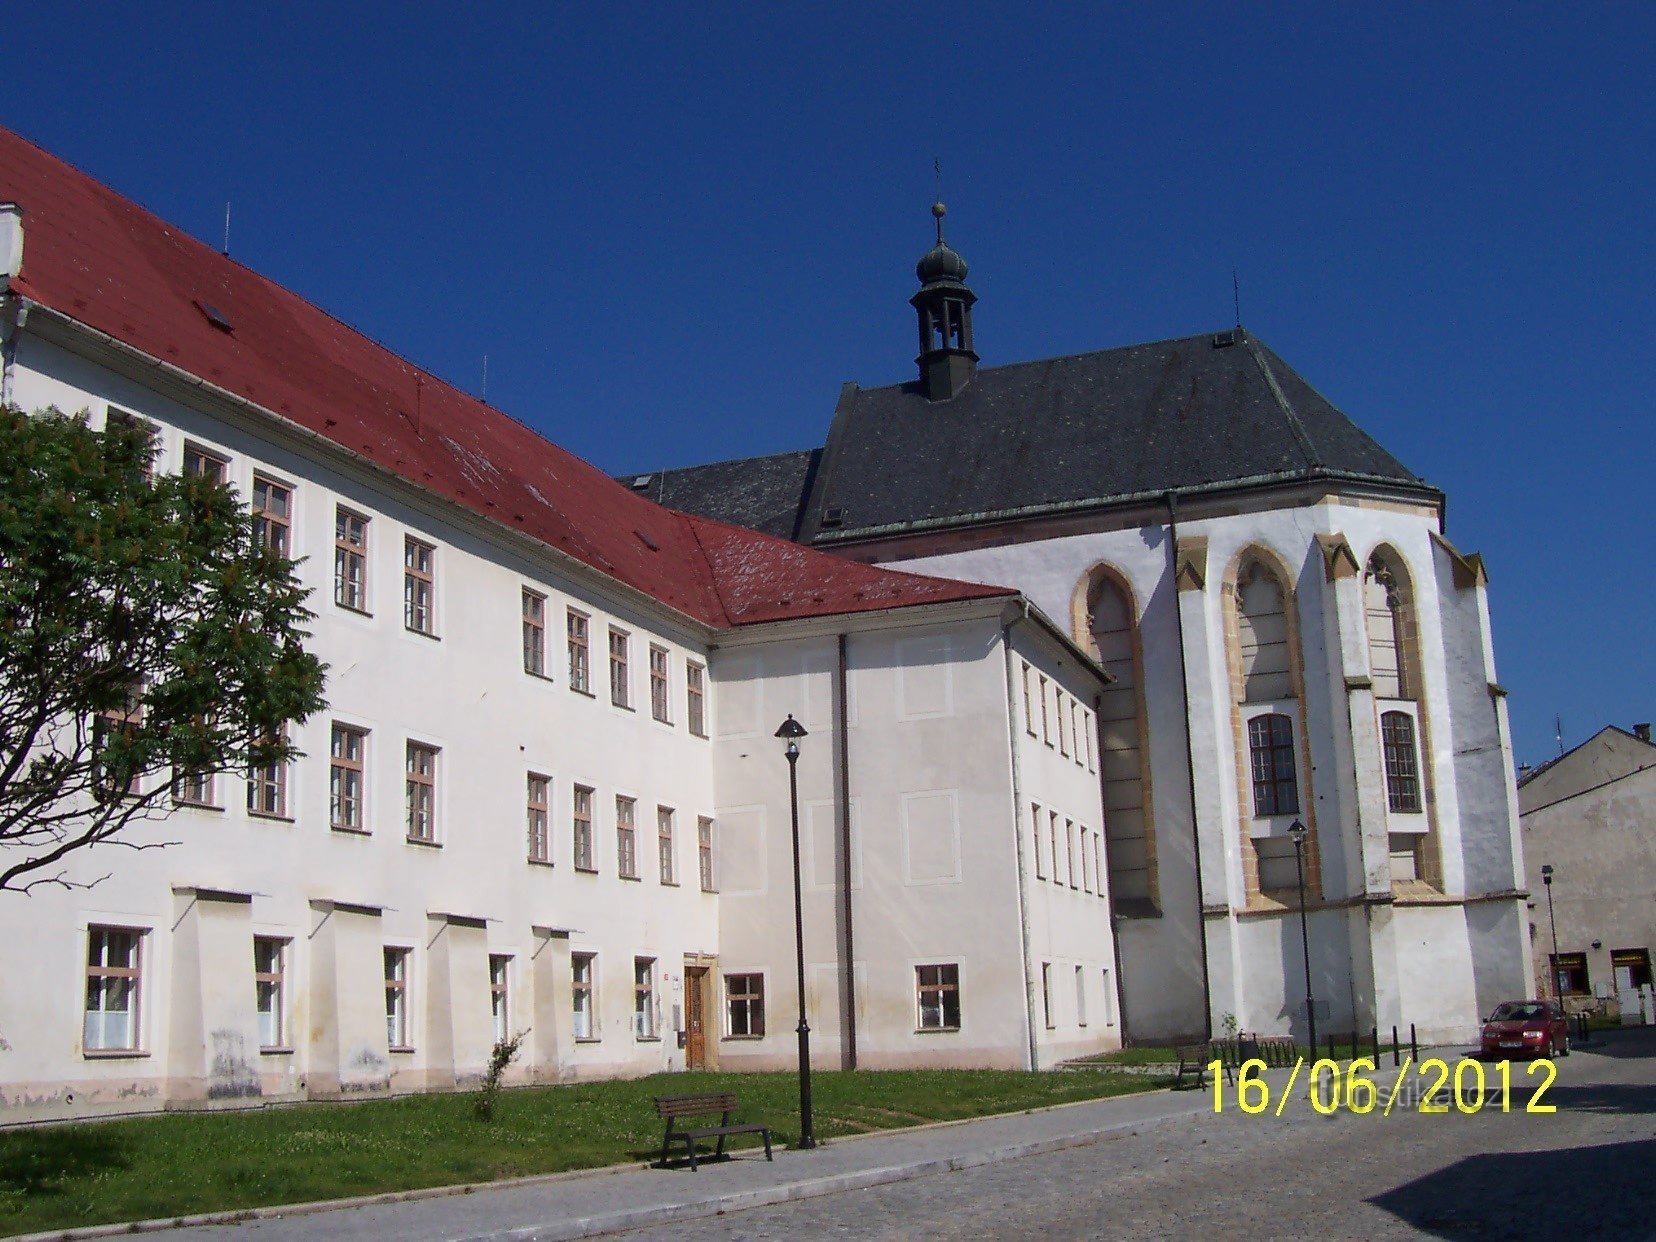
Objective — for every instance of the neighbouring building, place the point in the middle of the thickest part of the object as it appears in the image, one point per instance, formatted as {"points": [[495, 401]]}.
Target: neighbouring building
{"points": [[545, 794], [1293, 637], [1590, 817]]}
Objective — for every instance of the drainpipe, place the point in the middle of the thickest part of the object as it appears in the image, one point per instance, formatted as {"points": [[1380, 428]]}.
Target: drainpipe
{"points": [[844, 774], [1190, 758], [1018, 839]]}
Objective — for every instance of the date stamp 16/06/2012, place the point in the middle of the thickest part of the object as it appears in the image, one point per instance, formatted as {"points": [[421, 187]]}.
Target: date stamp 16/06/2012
{"points": [[1432, 1086]]}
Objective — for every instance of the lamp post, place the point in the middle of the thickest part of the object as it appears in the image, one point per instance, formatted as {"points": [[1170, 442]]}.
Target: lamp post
{"points": [[1546, 879], [791, 731], [1296, 830]]}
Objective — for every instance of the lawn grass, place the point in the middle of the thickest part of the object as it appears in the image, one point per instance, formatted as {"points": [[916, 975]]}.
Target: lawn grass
{"points": [[1135, 1055], [179, 1164]]}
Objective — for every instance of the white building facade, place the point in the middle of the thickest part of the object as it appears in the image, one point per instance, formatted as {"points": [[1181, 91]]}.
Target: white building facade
{"points": [[544, 795]]}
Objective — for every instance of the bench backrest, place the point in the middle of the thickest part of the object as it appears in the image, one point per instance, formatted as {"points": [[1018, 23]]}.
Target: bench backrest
{"points": [[695, 1105]]}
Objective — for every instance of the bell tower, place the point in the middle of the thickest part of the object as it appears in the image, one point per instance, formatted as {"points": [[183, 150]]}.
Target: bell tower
{"points": [[944, 305]]}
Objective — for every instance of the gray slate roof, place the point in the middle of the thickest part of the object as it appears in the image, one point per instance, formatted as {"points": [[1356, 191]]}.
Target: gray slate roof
{"points": [[1044, 437]]}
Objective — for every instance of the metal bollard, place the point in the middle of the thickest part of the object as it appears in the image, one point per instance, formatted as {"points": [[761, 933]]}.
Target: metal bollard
{"points": [[1414, 1048], [1397, 1053]]}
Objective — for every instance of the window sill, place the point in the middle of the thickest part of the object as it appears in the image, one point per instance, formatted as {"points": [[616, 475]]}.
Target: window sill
{"points": [[740, 1039], [276, 1052], [698, 733], [352, 608], [275, 818], [542, 862], [711, 892], [580, 870], [669, 884], [626, 707], [661, 720], [345, 831], [114, 1054], [430, 845], [436, 638], [632, 878], [181, 805], [646, 1039], [404, 1049], [589, 1039], [582, 690], [534, 676], [940, 1030]]}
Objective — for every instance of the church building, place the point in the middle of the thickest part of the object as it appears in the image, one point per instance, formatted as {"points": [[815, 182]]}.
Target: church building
{"points": [[1303, 712]]}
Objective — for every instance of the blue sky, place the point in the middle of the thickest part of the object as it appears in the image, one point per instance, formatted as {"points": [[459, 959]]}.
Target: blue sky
{"points": [[675, 232]]}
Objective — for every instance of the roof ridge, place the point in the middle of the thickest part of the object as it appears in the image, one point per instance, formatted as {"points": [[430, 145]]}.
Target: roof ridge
{"points": [[1080, 353], [708, 465], [1301, 436]]}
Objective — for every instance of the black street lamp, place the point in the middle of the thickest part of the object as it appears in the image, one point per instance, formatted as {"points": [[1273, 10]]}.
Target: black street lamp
{"points": [[791, 731], [1296, 830], [1546, 879]]}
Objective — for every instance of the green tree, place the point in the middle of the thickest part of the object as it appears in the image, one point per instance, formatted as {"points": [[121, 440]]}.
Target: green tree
{"points": [[145, 636]]}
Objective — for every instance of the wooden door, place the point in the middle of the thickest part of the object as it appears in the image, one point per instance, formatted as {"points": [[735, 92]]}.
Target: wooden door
{"points": [[695, 1023]]}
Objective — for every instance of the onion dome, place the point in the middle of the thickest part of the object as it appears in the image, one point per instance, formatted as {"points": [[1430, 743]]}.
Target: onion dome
{"points": [[940, 262]]}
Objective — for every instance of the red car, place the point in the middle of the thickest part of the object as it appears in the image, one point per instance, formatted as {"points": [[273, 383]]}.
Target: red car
{"points": [[1531, 1028]]}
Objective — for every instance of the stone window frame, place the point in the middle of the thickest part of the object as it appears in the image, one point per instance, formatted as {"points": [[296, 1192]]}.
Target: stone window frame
{"points": [[270, 992], [419, 586], [534, 610], [350, 575], [537, 816], [744, 1004], [347, 813], [102, 980], [943, 985]]}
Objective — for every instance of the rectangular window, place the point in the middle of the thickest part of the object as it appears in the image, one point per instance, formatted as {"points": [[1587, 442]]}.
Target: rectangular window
{"points": [[1109, 998], [704, 854], [1570, 974], [1063, 733], [115, 766], [1087, 732], [539, 818], [1397, 740], [267, 788], [346, 750], [580, 664], [695, 695], [644, 998], [658, 684], [745, 1006], [114, 978], [1077, 717], [500, 966], [350, 560], [937, 996], [534, 633], [583, 829], [270, 990], [1029, 709], [1046, 995], [1080, 997], [664, 845], [626, 838], [1271, 746], [582, 970], [620, 681], [202, 464], [1052, 841], [420, 792], [396, 999], [1069, 852], [1086, 860], [1040, 854], [1046, 721], [195, 789], [272, 515], [1098, 874], [419, 586]]}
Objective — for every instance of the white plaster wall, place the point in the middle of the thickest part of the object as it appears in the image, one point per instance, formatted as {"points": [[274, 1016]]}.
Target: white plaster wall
{"points": [[465, 692]]}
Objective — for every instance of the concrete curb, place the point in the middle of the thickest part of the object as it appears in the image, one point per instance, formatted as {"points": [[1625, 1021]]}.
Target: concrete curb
{"points": [[592, 1226]]}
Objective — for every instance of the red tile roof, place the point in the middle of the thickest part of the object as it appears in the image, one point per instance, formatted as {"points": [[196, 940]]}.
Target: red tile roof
{"points": [[106, 262]]}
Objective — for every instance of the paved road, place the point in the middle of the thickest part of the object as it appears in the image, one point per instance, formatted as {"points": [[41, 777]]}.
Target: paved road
{"points": [[1588, 1170]]}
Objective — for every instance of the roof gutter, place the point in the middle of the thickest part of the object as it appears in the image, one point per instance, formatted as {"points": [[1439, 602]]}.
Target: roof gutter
{"points": [[1018, 840]]}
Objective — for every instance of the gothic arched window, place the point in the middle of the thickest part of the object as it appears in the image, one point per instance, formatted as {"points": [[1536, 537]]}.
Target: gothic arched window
{"points": [[1271, 752], [1397, 740]]}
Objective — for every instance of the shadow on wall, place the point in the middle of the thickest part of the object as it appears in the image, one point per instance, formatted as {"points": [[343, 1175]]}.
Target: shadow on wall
{"points": [[1496, 1195]]}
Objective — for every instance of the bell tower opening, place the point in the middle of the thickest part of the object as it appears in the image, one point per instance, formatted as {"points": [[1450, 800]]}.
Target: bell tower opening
{"points": [[944, 306]]}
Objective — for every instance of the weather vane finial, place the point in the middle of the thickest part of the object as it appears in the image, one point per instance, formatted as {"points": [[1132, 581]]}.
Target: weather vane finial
{"points": [[938, 210]]}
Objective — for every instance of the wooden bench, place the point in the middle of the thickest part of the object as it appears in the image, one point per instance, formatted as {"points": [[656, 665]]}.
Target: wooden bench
{"points": [[676, 1107], [1193, 1059]]}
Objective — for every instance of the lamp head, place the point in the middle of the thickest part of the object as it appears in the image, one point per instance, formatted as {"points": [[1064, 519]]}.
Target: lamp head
{"points": [[791, 728], [1297, 831], [1546, 873]]}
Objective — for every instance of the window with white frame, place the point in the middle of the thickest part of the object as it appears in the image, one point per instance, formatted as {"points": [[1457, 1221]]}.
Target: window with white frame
{"points": [[114, 763], [619, 676], [347, 751], [420, 792], [203, 463], [664, 845], [577, 627], [419, 586], [1052, 842], [1397, 740], [114, 987], [1029, 708], [1063, 716], [270, 954], [539, 818], [626, 838], [695, 698], [350, 560], [937, 996], [396, 998], [745, 1006], [1086, 859], [583, 972], [704, 854], [1271, 753], [1080, 996], [1046, 995], [272, 515], [1046, 719], [582, 812], [660, 706], [195, 789], [500, 967], [534, 633], [1040, 853], [1098, 854], [267, 791], [1069, 853], [644, 1006]]}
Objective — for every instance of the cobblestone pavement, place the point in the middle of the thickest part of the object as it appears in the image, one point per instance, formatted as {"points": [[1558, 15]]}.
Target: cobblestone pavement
{"points": [[1588, 1170]]}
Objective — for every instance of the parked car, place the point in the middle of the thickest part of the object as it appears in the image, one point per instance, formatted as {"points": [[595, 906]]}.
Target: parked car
{"points": [[1531, 1028]]}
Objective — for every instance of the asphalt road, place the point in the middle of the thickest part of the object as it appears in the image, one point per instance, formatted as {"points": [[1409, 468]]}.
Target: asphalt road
{"points": [[1586, 1171]]}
